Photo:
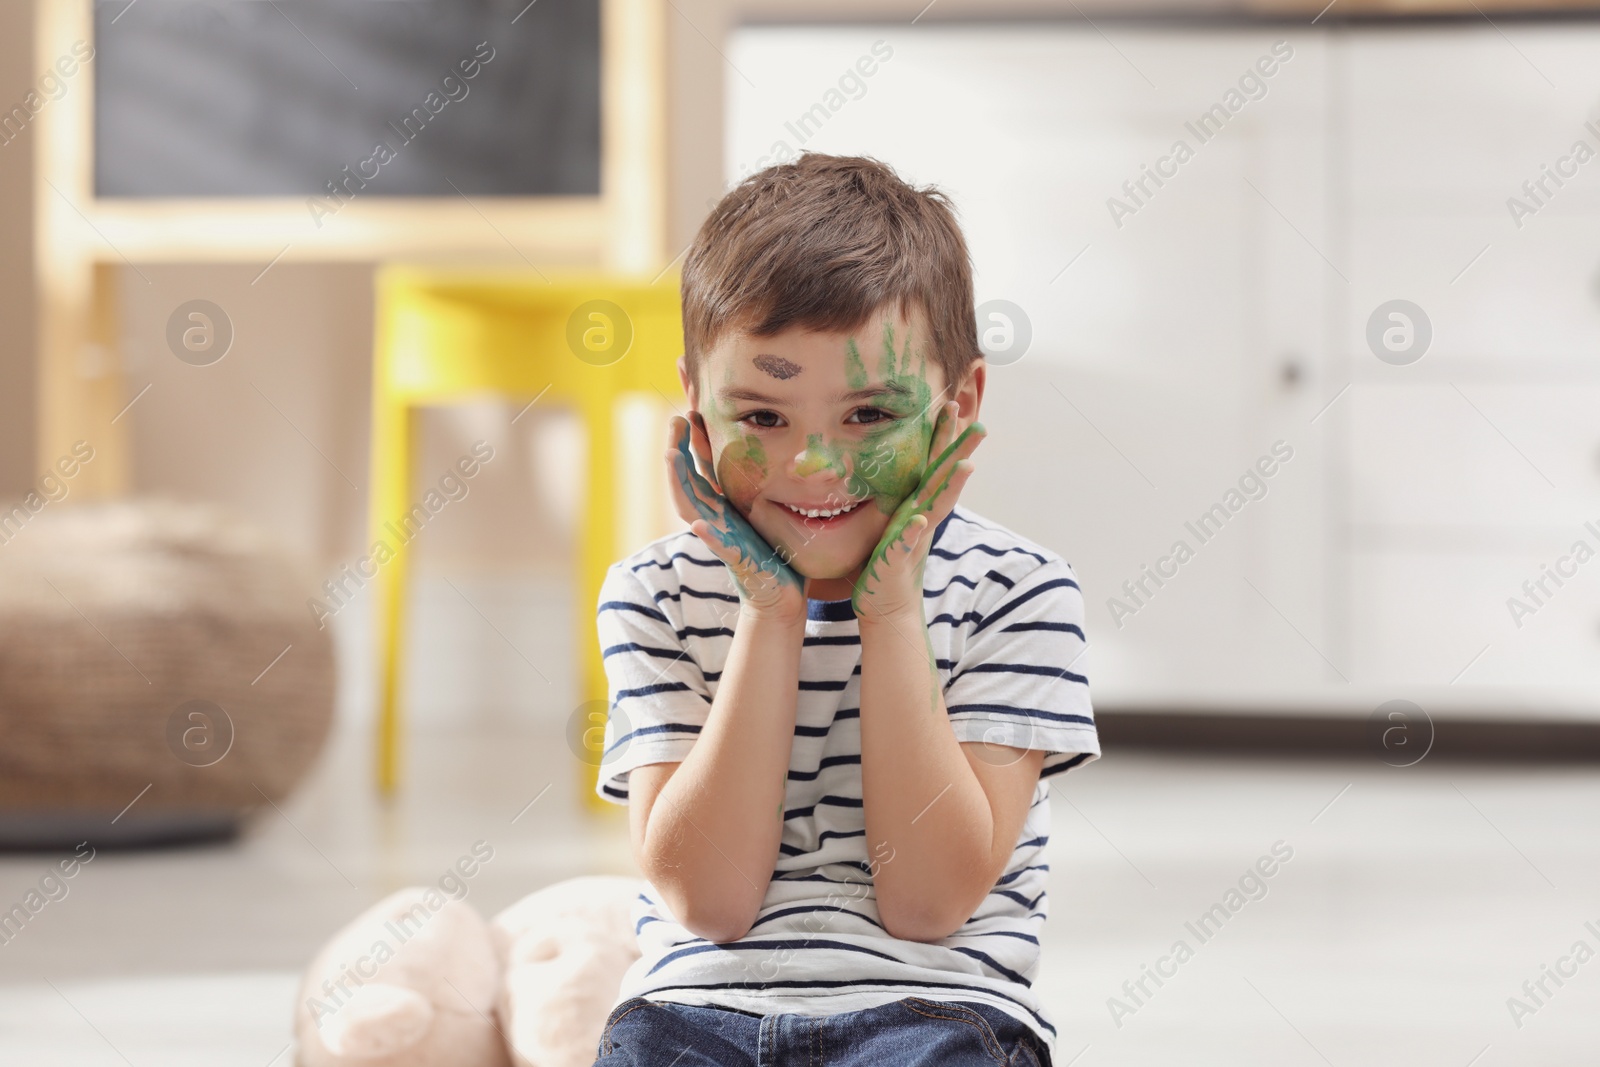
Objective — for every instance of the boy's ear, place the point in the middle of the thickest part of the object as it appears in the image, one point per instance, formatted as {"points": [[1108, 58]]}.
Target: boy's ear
{"points": [[969, 396]]}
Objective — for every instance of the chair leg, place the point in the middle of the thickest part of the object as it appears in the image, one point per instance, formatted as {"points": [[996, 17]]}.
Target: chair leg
{"points": [[597, 550], [392, 446]]}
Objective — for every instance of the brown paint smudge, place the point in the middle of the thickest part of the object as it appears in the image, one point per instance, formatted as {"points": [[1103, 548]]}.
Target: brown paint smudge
{"points": [[777, 367]]}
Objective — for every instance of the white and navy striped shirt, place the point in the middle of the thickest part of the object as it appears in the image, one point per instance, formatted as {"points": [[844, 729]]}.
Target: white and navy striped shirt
{"points": [[1005, 621]]}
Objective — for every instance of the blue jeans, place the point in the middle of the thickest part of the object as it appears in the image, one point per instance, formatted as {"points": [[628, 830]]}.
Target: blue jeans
{"points": [[912, 1032]]}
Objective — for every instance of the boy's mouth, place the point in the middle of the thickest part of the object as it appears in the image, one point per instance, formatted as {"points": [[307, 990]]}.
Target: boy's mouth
{"points": [[818, 519]]}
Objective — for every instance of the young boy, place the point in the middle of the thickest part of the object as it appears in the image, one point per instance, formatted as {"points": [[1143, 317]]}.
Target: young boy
{"points": [[835, 698]]}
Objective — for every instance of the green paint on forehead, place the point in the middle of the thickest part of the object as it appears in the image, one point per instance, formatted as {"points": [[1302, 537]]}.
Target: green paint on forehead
{"points": [[716, 410], [725, 409], [855, 371], [897, 370], [895, 367], [901, 367]]}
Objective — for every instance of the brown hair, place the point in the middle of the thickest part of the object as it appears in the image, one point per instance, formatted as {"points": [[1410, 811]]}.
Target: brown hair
{"points": [[821, 243]]}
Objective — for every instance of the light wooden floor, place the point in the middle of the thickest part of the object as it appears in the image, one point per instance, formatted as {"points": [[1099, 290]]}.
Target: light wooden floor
{"points": [[1416, 902]]}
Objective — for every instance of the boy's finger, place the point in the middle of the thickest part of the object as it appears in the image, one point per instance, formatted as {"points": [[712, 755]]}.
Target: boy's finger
{"points": [[695, 494], [943, 439], [706, 497], [753, 578], [948, 492], [708, 537], [941, 494], [701, 443], [938, 474], [705, 486], [936, 441], [963, 446], [955, 483], [733, 555], [682, 501], [913, 533], [702, 488], [949, 487]]}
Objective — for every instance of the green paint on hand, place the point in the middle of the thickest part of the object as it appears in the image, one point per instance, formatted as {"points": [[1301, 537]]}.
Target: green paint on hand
{"points": [[731, 528]]}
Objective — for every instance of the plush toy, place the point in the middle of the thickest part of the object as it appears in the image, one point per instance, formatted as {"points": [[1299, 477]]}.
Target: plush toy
{"points": [[420, 980], [411, 982], [565, 949]]}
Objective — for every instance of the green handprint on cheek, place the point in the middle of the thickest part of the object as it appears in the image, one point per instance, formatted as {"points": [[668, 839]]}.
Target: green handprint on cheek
{"points": [[889, 467], [889, 464], [894, 467]]}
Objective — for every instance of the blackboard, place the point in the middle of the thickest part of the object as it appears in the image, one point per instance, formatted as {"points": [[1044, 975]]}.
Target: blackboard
{"points": [[232, 98]]}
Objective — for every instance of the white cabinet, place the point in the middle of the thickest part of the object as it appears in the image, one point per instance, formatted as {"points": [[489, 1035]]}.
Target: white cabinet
{"points": [[1475, 468], [1177, 338]]}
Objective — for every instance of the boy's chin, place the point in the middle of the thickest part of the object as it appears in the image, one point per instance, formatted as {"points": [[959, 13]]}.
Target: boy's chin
{"points": [[825, 570], [826, 574], [829, 576]]}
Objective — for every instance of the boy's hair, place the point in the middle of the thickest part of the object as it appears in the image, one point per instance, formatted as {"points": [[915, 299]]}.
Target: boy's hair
{"points": [[821, 243]]}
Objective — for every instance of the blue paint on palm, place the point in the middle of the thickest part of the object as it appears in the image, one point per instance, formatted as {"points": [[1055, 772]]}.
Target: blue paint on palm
{"points": [[730, 527]]}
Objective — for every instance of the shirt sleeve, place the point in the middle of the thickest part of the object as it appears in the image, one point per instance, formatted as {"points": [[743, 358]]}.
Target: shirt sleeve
{"points": [[1017, 680], [658, 698]]}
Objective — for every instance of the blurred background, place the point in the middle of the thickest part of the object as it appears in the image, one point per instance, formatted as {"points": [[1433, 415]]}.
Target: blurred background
{"points": [[1293, 321]]}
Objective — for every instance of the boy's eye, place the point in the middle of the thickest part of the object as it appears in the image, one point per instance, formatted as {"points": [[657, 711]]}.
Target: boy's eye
{"points": [[875, 416], [759, 415], [883, 416]]}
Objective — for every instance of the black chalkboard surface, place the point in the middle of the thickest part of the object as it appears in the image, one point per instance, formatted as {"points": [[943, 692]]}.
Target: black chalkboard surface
{"points": [[207, 98]]}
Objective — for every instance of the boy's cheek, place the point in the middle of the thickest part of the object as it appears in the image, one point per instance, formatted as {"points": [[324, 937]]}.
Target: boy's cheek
{"points": [[742, 471], [891, 468]]}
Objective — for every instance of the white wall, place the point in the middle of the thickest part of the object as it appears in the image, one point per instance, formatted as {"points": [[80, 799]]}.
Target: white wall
{"points": [[1375, 165]]}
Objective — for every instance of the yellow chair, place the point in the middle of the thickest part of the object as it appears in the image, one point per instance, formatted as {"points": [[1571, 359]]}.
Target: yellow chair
{"points": [[447, 336]]}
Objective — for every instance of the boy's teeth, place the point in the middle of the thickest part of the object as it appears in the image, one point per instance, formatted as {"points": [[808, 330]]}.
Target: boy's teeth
{"points": [[817, 513]]}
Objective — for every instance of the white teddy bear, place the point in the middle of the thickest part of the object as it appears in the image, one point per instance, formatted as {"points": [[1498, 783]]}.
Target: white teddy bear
{"points": [[420, 980]]}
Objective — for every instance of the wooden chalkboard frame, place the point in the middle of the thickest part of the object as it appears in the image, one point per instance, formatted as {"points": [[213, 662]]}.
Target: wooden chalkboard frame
{"points": [[81, 240]]}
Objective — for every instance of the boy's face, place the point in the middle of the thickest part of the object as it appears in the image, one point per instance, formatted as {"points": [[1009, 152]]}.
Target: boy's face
{"points": [[824, 421]]}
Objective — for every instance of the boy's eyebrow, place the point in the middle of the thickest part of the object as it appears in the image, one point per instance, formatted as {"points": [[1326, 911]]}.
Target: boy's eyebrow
{"points": [[894, 388]]}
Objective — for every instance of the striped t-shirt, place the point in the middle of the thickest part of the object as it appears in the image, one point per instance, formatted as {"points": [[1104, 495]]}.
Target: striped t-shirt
{"points": [[1005, 620]]}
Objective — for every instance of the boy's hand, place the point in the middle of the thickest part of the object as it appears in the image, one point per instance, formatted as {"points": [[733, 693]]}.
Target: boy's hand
{"points": [[891, 580], [767, 585]]}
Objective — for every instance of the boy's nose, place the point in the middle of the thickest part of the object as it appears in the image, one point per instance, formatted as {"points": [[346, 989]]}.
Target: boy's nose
{"points": [[817, 461]]}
